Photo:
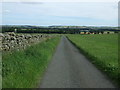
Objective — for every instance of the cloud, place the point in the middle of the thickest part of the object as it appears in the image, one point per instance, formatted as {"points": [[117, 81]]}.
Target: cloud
{"points": [[31, 3], [62, 12], [61, 0], [7, 11], [105, 11]]}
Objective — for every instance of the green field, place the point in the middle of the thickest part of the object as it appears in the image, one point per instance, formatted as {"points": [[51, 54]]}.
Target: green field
{"points": [[24, 69], [102, 51]]}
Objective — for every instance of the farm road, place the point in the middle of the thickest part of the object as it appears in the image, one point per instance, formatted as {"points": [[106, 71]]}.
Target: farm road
{"points": [[70, 69]]}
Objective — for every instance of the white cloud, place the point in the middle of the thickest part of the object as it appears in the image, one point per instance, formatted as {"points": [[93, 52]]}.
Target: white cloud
{"points": [[6, 11], [106, 11], [90, 10], [98, 11], [61, 0], [31, 3]]}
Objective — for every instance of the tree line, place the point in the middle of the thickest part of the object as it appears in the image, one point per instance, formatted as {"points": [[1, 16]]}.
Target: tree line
{"points": [[49, 30]]}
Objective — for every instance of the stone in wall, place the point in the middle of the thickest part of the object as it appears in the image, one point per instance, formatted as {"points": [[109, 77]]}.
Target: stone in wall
{"points": [[11, 41]]}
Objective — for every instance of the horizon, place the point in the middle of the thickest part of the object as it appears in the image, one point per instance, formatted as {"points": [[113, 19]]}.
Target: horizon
{"points": [[59, 25]]}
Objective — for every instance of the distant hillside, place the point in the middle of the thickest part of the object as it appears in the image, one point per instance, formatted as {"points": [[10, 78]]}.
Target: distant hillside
{"points": [[54, 29]]}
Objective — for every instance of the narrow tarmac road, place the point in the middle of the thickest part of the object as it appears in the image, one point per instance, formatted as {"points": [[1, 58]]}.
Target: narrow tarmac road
{"points": [[70, 69]]}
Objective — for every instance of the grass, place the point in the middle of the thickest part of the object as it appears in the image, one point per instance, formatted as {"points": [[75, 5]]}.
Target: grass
{"points": [[102, 51], [24, 69]]}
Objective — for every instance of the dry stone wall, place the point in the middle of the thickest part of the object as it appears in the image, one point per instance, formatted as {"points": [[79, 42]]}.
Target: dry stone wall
{"points": [[11, 41]]}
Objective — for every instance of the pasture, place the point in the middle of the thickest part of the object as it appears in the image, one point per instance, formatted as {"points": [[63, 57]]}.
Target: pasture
{"points": [[102, 50]]}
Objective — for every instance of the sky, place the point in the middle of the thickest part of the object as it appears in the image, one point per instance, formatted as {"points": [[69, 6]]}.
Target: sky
{"points": [[60, 13]]}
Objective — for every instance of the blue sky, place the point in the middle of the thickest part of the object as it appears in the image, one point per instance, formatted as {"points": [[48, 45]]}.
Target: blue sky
{"points": [[61, 13]]}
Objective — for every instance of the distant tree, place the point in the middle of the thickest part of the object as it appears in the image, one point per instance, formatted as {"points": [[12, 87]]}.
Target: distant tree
{"points": [[115, 31], [94, 32], [102, 32], [84, 32], [88, 32], [91, 32]]}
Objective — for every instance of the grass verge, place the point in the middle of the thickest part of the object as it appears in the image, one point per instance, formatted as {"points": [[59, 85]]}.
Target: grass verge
{"points": [[102, 50], [24, 69]]}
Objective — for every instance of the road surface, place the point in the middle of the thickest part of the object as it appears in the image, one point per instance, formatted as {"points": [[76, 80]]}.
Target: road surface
{"points": [[70, 69]]}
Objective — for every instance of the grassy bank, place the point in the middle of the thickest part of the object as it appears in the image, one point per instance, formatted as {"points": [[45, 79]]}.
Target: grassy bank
{"points": [[102, 51], [24, 69]]}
